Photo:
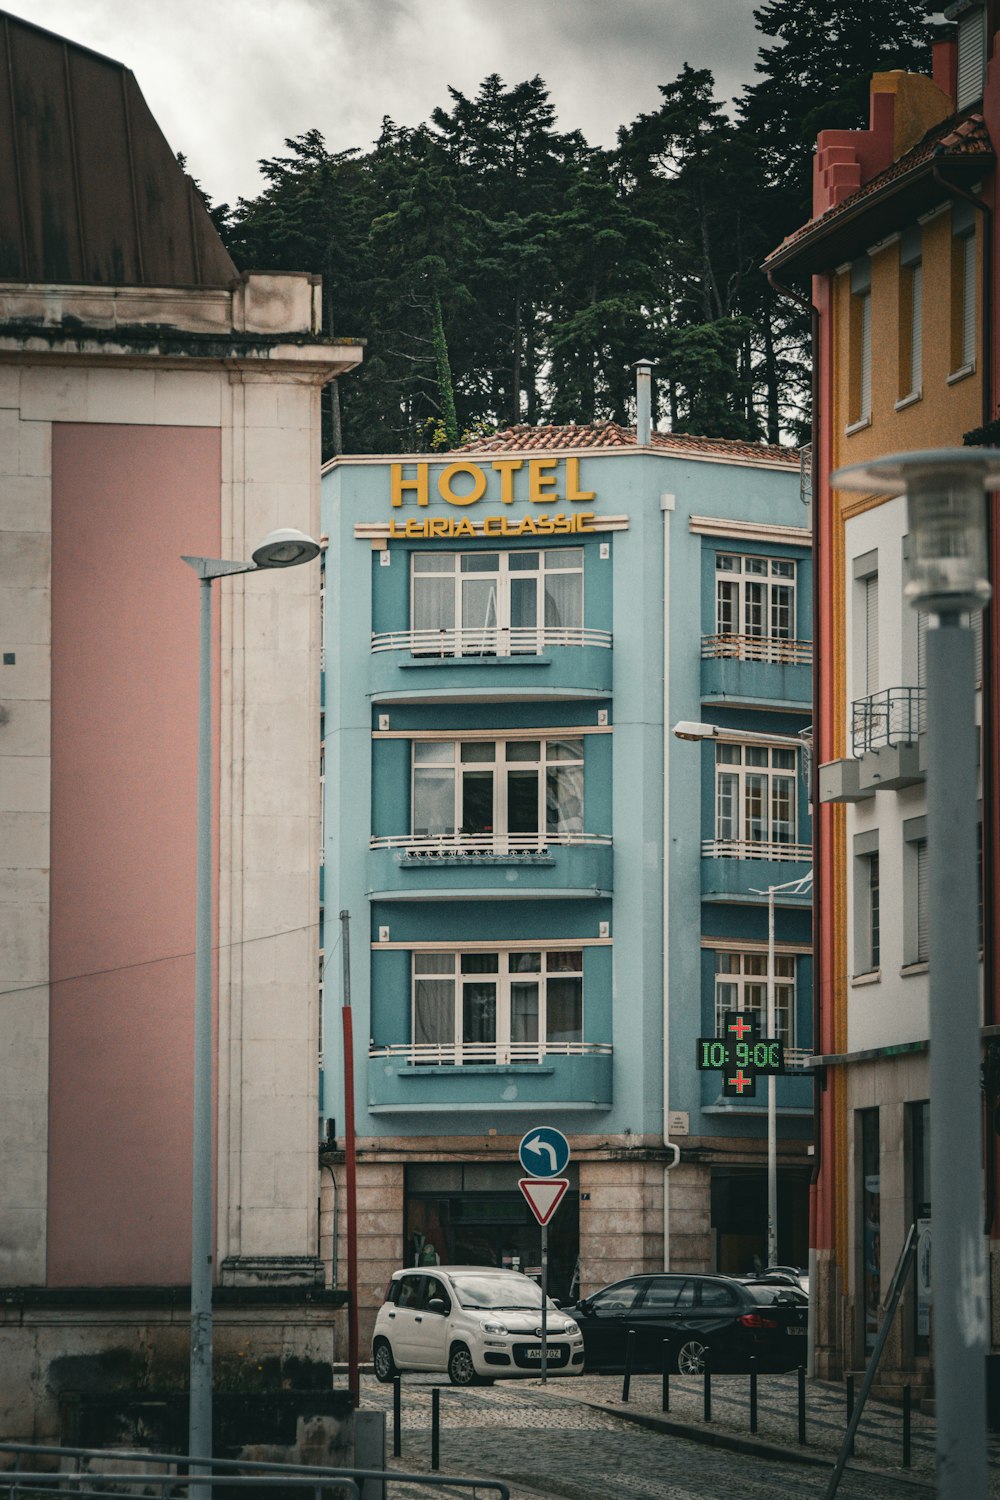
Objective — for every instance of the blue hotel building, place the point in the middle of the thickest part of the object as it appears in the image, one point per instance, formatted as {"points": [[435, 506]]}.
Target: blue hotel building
{"points": [[552, 897]]}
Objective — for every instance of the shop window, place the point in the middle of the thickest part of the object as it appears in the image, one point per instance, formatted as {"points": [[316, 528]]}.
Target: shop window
{"points": [[755, 796], [754, 597], [475, 1007], [741, 985], [919, 1143], [495, 603], [487, 791]]}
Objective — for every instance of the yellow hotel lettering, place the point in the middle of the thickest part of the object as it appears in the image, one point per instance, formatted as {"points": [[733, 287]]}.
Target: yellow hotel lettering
{"points": [[543, 484]]}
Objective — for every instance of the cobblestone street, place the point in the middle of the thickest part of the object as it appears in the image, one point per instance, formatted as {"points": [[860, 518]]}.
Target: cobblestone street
{"points": [[575, 1439]]}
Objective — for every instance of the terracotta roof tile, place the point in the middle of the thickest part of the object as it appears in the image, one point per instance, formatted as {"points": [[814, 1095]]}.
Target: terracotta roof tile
{"points": [[603, 435], [969, 137]]}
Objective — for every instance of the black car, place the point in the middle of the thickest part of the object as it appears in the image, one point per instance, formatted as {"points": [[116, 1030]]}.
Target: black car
{"points": [[713, 1318]]}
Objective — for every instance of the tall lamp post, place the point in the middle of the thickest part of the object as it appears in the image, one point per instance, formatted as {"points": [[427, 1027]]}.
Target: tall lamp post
{"points": [[949, 576], [284, 548], [687, 730]]}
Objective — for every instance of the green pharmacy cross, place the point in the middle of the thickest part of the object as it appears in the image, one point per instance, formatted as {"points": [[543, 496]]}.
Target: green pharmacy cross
{"points": [[742, 1053]]}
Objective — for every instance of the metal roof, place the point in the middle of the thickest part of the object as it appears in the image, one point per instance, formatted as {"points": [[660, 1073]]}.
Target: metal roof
{"points": [[90, 191]]}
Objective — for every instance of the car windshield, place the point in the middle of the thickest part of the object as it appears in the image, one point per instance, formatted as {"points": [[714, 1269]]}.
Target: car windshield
{"points": [[498, 1293]]}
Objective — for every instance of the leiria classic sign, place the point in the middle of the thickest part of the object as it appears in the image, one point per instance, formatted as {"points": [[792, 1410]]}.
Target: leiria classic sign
{"points": [[550, 484]]}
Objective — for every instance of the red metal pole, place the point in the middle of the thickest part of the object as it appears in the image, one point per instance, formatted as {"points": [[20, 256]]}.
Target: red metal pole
{"points": [[350, 1155]]}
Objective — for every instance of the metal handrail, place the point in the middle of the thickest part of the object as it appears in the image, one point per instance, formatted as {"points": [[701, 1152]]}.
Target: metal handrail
{"points": [[757, 648], [299, 1475], [429, 845], [454, 1054], [754, 849], [894, 716], [489, 640]]}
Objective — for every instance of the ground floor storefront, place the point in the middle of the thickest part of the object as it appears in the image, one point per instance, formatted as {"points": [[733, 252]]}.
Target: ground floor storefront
{"points": [[418, 1205]]}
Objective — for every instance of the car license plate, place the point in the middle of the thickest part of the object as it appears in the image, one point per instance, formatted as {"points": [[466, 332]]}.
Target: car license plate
{"points": [[801, 1331], [556, 1356]]}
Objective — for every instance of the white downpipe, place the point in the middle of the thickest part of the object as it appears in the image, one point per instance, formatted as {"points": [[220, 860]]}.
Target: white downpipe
{"points": [[666, 506]]}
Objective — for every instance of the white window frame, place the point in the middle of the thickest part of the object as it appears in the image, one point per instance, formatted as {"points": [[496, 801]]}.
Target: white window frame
{"points": [[741, 985], [449, 754], [739, 765], [445, 966], [754, 596], [496, 636]]}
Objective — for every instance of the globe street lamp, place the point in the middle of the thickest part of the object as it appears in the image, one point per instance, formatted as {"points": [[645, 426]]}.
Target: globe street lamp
{"points": [[284, 548], [948, 578]]}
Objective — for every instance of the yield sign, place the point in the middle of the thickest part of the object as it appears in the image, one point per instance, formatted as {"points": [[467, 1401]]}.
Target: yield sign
{"points": [[544, 1195]]}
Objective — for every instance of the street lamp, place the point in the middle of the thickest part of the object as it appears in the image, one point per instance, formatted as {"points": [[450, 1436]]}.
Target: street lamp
{"points": [[284, 548], [687, 729], [948, 578]]}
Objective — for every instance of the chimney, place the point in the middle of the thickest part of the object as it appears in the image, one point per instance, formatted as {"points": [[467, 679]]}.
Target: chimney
{"points": [[643, 402]]}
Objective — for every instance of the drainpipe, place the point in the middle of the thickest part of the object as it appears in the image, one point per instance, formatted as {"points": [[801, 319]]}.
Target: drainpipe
{"points": [[643, 402], [666, 506]]}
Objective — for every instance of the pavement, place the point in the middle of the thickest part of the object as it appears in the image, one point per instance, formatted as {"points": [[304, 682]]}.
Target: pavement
{"points": [[576, 1439]]}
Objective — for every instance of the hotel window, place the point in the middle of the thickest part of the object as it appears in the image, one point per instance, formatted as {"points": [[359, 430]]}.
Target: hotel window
{"points": [[754, 596], [861, 343], [755, 797], [495, 603], [741, 984], [867, 905], [487, 789], [910, 315], [495, 1007], [963, 289]]}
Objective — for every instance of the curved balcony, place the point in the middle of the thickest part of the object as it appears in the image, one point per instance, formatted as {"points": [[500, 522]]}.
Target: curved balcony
{"points": [[426, 1077], [549, 662], [735, 869], [756, 669], [425, 867]]}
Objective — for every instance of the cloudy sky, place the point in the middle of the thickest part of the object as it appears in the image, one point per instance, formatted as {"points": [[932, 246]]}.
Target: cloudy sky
{"points": [[228, 80]]}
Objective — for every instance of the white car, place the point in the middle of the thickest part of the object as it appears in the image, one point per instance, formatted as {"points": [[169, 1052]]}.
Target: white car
{"points": [[473, 1321]]}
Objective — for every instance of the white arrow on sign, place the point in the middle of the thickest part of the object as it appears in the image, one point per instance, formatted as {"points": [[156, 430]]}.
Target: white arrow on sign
{"points": [[536, 1144], [543, 1195]]}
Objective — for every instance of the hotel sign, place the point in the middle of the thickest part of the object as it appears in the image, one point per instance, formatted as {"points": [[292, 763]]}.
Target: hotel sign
{"points": [[549, 482]]}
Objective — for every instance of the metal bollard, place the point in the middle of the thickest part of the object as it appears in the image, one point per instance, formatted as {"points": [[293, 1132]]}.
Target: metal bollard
{"points": [[802, 1403], [907, 1409], [753, 1393], [629, 1355], [708, 1390], [850, 1409], [397, 1416], [436, 1427], [666, 1375]]}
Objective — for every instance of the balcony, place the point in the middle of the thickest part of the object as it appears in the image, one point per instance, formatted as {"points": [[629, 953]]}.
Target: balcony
{"points": [[735, 869], [893, 717], [887, 745], [549, 662], [755, 669], [426, 866], [475, 1077]]}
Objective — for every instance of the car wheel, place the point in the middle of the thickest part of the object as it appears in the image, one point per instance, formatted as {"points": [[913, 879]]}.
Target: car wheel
{"points": [[691, 1358], [461, 1370], [385, 1365]]}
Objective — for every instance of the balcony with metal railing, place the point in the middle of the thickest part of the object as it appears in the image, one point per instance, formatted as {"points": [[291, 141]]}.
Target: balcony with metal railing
{"points": [[472, 1076], [428, 865], [734, 869], [441, 663], [895, 716], [761, 668]]}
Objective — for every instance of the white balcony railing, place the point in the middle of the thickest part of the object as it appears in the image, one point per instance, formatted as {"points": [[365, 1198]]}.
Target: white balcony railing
{"points": [[493, 640], [436, 846], [752, 849], [757, 648], [797, 1058], [455, 1054]]}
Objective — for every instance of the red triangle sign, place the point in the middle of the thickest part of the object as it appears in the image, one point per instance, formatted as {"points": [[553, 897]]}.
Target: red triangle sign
{"points": [[544, 1195]]}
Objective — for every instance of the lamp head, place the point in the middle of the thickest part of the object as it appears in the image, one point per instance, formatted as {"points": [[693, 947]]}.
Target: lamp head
{"points": [[285, 548], [949, 572], [688, 729]]}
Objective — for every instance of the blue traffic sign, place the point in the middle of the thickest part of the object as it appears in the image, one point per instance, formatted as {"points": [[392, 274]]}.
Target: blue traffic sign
{"points": [[544, 1152]]}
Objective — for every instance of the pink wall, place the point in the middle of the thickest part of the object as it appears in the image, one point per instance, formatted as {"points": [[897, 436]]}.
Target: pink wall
{"points": [[126, 503]]}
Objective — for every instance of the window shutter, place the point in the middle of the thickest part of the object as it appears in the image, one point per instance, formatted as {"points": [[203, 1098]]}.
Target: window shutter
{"points": [[916, 328], [922, 945], [871, 634], [976, 621], [865, 392], [971, 56], [921, 648], [968, 299]]}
